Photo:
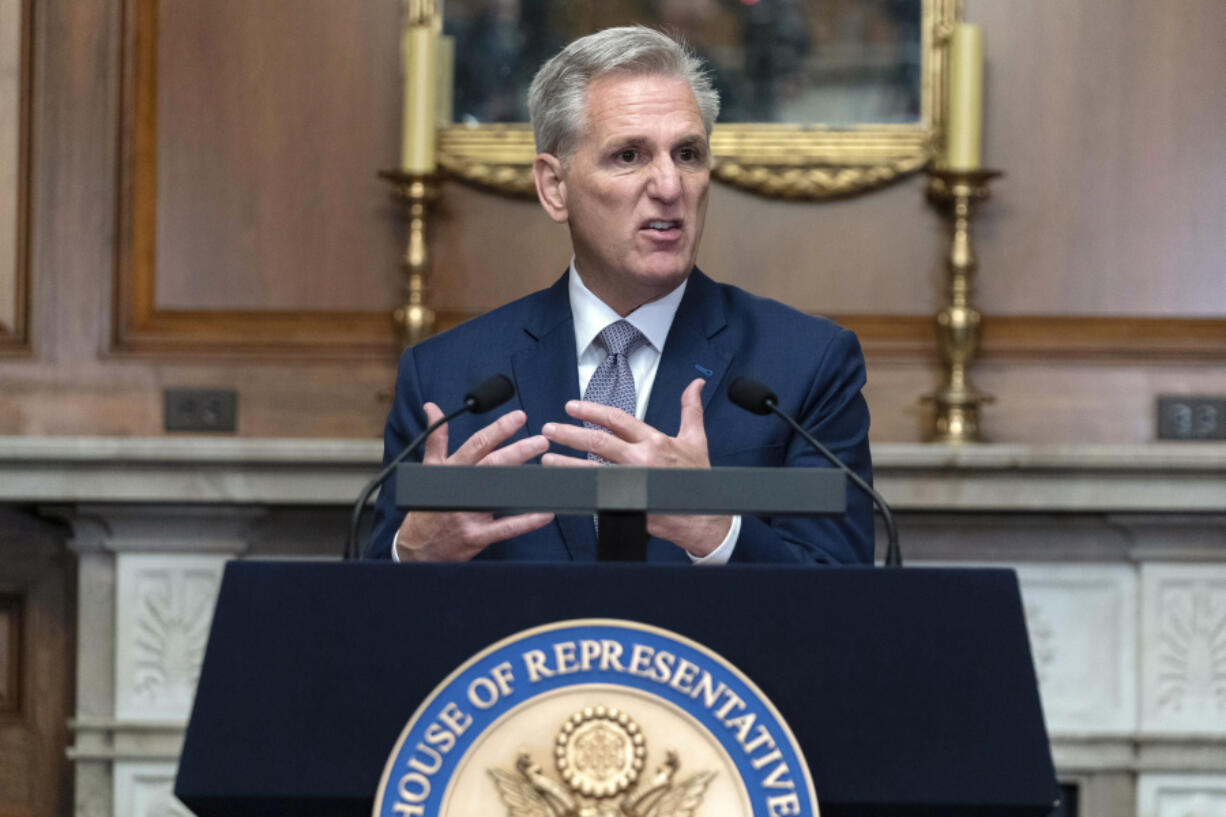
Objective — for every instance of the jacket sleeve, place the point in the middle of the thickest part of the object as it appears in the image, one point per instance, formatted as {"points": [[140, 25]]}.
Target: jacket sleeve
{"points": [[405, 421], [835, 412]]}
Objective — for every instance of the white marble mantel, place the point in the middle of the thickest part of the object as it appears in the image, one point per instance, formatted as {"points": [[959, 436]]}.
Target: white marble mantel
{"points": [[1120, 552], [1159, 477]]}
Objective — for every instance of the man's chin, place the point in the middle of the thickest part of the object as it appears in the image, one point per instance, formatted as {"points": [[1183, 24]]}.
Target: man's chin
{"points": [[663, 281], [669, 270]]}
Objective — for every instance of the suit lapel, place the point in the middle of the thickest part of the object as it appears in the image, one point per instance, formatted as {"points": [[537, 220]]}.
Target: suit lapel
{"points": [[546, 376], [689, 352]]}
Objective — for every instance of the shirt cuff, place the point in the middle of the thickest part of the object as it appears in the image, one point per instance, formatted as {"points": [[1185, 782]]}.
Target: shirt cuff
{"points": [[395, 554], [721, 554]]}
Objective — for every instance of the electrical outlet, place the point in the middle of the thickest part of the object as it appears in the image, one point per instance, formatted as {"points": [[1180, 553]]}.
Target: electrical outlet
{"points": [[1191, 417], [200, 409]]}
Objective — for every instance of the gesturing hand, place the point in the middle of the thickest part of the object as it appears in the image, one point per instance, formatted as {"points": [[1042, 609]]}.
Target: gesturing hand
{"points": [[630, 441], [458, 536]]}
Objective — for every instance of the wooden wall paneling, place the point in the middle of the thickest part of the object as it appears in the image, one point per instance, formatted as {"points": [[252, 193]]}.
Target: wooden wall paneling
{"points": [[16, 79], [10, 654], [71, 383], [1063, 378], [883, 252], [271, 119], [1109, 121], [1051, 338], [142, 323], [861, 258], [1039, 402], [1025, 338], [36, 609]]}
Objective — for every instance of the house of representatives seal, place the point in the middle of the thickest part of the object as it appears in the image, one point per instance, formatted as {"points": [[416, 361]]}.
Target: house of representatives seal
{"points": [[596, 718]]}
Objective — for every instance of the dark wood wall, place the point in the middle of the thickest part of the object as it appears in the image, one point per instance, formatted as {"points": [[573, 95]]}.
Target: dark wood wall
{"points": [[203, 211], [268, 119], [36, 666], [14, 147]]}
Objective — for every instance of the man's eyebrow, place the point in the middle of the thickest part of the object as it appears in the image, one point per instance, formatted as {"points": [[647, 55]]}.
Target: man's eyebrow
{"points": [[698, 140], [615, 143], [627, 140]]}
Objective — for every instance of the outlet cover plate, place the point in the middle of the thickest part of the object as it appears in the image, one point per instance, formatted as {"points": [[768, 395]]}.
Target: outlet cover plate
{"points": [[1191, 417], [212, 410]]}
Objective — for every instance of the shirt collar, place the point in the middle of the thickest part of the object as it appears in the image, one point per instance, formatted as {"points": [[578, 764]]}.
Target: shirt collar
{"points": [[592, 315]]}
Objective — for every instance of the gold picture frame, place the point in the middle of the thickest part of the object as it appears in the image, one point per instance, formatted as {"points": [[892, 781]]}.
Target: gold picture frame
{"points": [[791, 161]]}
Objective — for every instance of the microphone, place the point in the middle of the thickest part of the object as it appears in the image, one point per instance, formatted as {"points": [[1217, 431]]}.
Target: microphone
{"points": [[755, 397], [489, 394]]}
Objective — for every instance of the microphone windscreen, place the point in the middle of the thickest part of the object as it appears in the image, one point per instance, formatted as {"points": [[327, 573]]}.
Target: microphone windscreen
{"points": [[751, 395], [489, 393]]}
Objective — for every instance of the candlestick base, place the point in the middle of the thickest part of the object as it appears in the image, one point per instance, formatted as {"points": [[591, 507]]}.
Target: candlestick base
{"points": [[956, 407], [945, 184], [956, 415], [415, 318]]}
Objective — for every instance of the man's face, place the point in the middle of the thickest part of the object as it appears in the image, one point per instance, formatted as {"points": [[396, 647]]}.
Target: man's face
{"points": [[634, 191]]}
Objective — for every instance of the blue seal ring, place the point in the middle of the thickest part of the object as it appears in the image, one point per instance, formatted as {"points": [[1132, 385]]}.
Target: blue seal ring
{"points": [[610, 652]]}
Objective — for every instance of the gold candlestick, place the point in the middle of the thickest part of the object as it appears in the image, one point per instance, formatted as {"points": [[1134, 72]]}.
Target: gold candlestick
{"points": [[415, 318], [956, 406], [963, 138]]}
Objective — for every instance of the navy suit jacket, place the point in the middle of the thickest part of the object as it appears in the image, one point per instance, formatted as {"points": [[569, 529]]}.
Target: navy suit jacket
{"points": [[719, 332]]}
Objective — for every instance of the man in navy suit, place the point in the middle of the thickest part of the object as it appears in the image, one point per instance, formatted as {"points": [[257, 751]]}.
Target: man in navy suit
{"points": [[622, 120]]}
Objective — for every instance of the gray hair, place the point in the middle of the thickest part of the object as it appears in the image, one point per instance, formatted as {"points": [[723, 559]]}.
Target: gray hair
{"points": [[556, 97]]}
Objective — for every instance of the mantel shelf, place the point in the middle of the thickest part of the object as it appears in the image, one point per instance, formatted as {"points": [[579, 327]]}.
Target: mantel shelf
{"points": [[1158, 477]]}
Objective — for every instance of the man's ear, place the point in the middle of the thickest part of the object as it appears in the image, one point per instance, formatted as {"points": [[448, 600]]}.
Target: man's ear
{"points": [[550, 186]]}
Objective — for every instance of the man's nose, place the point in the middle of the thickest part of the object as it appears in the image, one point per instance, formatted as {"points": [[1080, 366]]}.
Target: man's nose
{"points": [[665, 182]]}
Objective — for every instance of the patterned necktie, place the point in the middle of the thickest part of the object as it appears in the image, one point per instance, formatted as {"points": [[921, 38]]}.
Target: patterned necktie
{"points": [[613, 383]]}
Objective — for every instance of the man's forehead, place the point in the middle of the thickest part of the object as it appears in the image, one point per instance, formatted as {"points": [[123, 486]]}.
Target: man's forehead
{"points": [[617, 101]]}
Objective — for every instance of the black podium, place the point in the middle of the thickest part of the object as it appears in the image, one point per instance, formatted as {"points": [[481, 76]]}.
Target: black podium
{"points": [[910, 692]]}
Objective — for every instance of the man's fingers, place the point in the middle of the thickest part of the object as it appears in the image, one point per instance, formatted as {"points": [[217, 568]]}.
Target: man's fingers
{"points": [[691, 413], [628, 428], [447, 537], [476, 447], [508, 527], [591, 440], [518, 452], [436, 443], [560, 460]]}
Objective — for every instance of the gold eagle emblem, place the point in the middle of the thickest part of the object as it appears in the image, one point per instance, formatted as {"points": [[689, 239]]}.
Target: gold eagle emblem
{"points": [[600, 753]]}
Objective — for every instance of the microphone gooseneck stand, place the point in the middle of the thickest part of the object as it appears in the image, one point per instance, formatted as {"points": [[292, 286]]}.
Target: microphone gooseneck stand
{"points": [[755, 397], [490, 393]]}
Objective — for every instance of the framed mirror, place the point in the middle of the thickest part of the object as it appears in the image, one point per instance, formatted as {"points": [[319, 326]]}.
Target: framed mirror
{"points": [[820, 98]]}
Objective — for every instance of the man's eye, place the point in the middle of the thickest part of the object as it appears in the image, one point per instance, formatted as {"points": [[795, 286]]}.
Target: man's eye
{"points": [[689, 155], [628, 155]]}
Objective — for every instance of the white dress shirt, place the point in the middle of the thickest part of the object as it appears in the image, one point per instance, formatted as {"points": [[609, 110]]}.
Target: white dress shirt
{"points": [[654, 319]]}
